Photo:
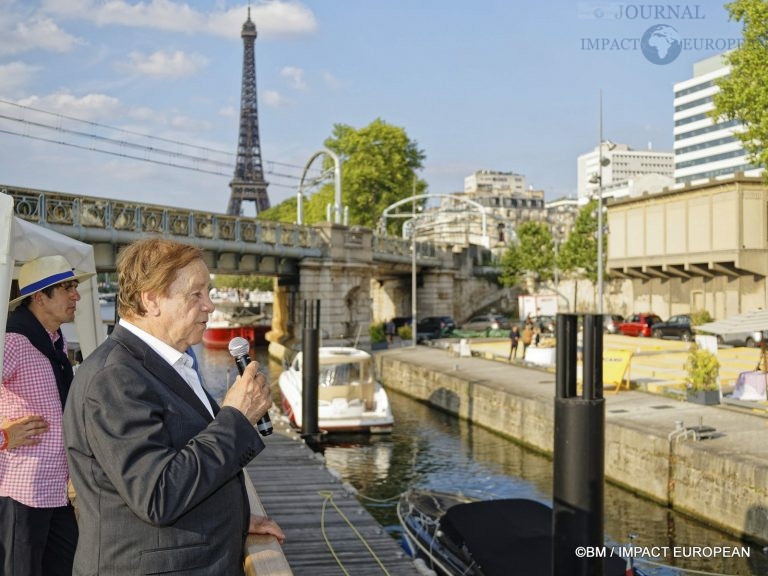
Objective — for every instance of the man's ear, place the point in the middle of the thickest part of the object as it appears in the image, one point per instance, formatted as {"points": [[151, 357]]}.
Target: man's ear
{"points": [[151, 302]]}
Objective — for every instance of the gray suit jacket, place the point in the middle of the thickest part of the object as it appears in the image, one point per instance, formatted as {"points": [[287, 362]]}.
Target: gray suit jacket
{"points": [[159, 482]]}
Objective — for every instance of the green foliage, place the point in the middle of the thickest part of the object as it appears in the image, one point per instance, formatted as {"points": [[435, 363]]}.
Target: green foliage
{"points": [[405, 333], [578, 254], [511, 269], [743, 95], [283, 212], [379, 164], [378, 168], [702, 369], [377, 333], [534, 252], [699, 317], [243, 282]]}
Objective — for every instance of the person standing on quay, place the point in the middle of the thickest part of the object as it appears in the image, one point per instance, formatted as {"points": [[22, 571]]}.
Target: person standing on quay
{"points": [[156, 464], [38, 528], [527, 335], [514, 340]]}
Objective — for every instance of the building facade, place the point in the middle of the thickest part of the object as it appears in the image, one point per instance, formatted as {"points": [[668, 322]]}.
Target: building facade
{"points": [[690, 248], [492, 181], [487, 213], [620, 164], [704, 149]]}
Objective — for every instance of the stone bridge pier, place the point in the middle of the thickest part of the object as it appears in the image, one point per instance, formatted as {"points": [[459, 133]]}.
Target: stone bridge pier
{"points": [[358, 285]]}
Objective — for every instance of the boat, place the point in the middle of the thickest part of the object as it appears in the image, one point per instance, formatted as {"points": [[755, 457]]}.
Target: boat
{"points": [[350, 398], [455, 534], [231, 320]]}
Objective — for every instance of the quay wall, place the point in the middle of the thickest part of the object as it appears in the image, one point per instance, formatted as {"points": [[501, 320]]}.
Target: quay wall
{"points": [[720, 487]]}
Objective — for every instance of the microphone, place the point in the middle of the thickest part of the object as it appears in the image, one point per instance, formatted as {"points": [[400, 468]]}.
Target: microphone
{"points": [[238, 349]]}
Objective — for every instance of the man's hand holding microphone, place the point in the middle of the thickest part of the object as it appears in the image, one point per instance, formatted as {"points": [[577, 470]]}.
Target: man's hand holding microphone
{"points": [[250, 393]]}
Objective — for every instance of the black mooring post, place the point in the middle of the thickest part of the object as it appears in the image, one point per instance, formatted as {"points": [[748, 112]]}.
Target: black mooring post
{"points": [[310, 371], [579, 454], [567, 338]]}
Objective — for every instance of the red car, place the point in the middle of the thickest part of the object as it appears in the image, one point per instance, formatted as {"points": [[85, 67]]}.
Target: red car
{"points": [[639, 324]]}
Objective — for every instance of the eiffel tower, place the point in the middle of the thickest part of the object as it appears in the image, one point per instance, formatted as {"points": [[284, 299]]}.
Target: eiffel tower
{"points": [[248, 183]]}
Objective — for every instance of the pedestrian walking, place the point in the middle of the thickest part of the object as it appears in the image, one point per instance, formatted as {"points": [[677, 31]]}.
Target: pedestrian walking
{"points": [[514, 340]]}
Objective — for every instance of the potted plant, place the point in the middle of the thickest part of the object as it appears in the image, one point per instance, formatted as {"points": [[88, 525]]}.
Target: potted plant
{"points": [[703, 370], [378, 336]]}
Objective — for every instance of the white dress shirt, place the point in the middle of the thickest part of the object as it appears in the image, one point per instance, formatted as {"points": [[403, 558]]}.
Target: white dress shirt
{"points": [[180, 361]]}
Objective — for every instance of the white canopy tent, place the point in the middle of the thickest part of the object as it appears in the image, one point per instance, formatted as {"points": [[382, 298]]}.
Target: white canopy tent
{"points": [[755, 321], [21, 241]]}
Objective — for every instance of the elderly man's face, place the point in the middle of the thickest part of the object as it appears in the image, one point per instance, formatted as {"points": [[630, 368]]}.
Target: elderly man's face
{"points": [[182, 315]]}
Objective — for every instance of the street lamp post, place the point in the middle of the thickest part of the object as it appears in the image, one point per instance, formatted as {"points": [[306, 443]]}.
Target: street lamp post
{"points": [[600, 210], [414, 319]]}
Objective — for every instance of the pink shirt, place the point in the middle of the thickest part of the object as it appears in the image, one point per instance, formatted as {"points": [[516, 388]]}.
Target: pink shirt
{"points": [[33, 475]]}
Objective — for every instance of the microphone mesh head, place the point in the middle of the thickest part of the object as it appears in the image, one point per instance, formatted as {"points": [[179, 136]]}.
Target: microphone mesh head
{"points": [[239, 347]]}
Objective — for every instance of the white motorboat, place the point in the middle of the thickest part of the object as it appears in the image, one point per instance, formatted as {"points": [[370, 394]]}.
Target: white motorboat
{"points": [[350, 398]]}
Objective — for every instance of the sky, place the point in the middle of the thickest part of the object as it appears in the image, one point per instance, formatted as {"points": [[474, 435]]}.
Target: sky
{"points": [[108, 98]]}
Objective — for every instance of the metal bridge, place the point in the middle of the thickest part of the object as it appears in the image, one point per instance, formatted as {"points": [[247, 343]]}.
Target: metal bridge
{"points": [[234, 244]]}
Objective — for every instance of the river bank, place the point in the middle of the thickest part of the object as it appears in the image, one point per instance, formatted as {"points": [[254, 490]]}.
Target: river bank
{"points": [[722, 481]]}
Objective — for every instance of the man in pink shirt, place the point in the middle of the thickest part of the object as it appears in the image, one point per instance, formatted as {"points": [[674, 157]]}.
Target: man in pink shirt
{"points": [[38, 529]]}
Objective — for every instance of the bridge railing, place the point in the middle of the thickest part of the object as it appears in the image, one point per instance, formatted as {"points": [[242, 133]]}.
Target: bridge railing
{"points": [[57, 209], [102, 219], [394, 249]]}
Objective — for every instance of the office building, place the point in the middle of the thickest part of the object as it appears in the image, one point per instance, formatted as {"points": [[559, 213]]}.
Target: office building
{"points": [[704, 149], [620, 164]]}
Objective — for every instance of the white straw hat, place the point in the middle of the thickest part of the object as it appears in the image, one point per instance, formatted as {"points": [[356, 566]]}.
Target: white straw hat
{"points": [[40, 273]]}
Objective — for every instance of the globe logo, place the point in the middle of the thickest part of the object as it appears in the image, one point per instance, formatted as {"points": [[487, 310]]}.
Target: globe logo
{"points": [[661, 44]]}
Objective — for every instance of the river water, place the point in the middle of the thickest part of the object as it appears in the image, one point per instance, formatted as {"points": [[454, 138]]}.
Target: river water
{"points": [[430, 449]]}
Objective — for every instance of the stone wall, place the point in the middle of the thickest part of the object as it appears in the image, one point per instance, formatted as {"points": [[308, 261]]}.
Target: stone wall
{"points": [[723, 489]]}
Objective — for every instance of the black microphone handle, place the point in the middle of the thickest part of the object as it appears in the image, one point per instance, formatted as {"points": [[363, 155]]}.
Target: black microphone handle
{"points": [[264, 425]]}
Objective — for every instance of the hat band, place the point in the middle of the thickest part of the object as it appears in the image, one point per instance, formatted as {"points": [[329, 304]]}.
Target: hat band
{"points": [[45, 282]]}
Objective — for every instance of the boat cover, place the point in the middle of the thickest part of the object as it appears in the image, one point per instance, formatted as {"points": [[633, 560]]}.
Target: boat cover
{"points": [[509, 537]]}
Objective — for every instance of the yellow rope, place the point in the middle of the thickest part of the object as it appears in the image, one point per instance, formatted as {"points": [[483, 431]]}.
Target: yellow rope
{"points": [[328, 497]]}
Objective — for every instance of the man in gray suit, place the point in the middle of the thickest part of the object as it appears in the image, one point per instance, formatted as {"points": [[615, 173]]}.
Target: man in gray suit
{"points": [[156, 464]]}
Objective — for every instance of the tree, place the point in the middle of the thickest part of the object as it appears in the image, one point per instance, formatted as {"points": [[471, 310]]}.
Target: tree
{"points": [[243, 282], [534, 252], [511, 270], [378, 167], [579, 251], [743, 95]]}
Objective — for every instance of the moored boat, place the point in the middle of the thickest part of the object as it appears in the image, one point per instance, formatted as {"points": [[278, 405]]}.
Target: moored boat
{"points": [[231, 320], [458, 535], [350, 398], [219, 333]]}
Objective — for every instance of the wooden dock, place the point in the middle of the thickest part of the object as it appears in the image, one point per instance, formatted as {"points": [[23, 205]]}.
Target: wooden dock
{"points": [[328, 531]]}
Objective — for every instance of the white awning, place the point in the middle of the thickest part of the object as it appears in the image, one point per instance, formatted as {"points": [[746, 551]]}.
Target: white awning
{"points": [[21, 241], [748, 322]]}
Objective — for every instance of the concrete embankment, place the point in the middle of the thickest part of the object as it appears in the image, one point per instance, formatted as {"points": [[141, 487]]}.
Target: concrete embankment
{"points": [[722, 480]]}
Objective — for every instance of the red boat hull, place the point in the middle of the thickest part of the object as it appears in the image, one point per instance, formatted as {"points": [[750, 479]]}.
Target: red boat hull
{"points": [[219, 337]]}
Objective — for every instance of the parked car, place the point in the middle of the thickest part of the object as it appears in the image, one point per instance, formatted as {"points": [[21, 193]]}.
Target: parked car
{"points": [[611, 323], [433, 327], [486, 322], [400, 321], [678, 327], [748, 339], [639, 324]]}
